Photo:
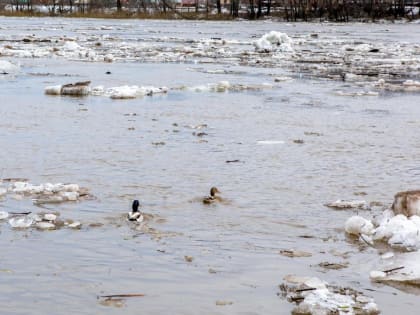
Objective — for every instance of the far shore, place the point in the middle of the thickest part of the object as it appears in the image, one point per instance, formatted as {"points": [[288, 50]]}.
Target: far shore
{"points": [[211, 14]]}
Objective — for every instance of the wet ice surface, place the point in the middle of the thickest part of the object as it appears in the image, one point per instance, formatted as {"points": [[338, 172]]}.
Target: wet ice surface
{"points": [[308, 139]]}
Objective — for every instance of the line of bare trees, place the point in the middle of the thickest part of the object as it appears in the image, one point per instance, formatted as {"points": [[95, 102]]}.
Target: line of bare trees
{"points": [[291, 10]]}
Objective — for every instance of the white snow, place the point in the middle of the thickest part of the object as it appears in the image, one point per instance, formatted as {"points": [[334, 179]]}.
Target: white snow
{"points": [[71, 46], [45, 225], [7, 67], [411, 83], [348, 204], [97, 90], [400, 231], [222, 86], [49, 217], [53, 90], [47, 192], [123, 92], [21, 222], [396, 230], [269, 142], [118, 92], [109, 58], [324, 300], [3, 191], [134, 91], [4, 215], [406, 269], [357, 225], [273, 41]]}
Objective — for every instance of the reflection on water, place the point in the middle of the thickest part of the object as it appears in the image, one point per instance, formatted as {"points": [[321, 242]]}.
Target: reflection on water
{"points": [[276, 193]]}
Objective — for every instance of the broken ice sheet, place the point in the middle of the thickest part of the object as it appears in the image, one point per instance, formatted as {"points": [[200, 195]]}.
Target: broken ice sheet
{"points": [[314, 296]]}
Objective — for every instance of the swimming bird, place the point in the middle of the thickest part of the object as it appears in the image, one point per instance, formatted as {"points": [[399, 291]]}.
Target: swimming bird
{"points": [[135, 214], [212, 198]]}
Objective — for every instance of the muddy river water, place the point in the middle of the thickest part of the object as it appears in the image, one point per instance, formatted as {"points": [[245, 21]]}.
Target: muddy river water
{"points": [[334, 117]]}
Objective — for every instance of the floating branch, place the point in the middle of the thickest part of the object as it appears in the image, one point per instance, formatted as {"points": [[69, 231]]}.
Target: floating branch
{"points": [[306, 289], [393, 269], [121, 295]]}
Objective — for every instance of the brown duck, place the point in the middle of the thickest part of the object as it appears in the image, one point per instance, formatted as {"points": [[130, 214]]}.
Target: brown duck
{"points": [[213, 197]]}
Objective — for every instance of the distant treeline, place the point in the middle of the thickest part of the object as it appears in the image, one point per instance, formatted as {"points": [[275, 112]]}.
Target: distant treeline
{"points": [[290, 10]]}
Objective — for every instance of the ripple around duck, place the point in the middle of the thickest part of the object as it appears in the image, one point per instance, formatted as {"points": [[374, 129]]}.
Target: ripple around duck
{"points": [[276, 192]]}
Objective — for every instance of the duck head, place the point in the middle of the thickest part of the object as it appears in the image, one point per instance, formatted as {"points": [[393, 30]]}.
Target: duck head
{"points": [[214, 191], [135, 206]]}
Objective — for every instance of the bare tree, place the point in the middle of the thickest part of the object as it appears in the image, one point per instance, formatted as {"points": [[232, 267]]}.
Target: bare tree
{"points": [[219, 6]]}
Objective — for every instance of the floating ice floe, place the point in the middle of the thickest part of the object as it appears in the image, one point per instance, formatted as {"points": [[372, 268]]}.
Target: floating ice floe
{"points": [[270, 142], [273, 41], [348, 204], [7, 67], [399, 231], [76, 89], [357, 93], [21, 222], [283, 79], [411, 83], [47, 188], [134, 91], [403, 268], [361, 48], [3, 191], [41, 221], [74, 225], [109, 58], [357, 225], [4, 215], [314, 296], [398, 226], [72, 89], [71, 46], [406, 86], [43, 225], [49, 217], [49, 193], [119, 92], [224, 86], [396, 230]]}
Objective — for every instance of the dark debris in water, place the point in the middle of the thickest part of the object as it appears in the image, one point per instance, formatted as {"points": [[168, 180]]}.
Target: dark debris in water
{"points": [[233, 161], [332, 266], [294, 253]]}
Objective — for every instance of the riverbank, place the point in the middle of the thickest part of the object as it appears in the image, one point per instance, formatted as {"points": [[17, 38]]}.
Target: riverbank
{"points": [[356, 12]]}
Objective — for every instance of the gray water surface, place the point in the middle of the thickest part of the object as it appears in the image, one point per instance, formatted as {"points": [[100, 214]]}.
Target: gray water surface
{"points": [[275, 194]]}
